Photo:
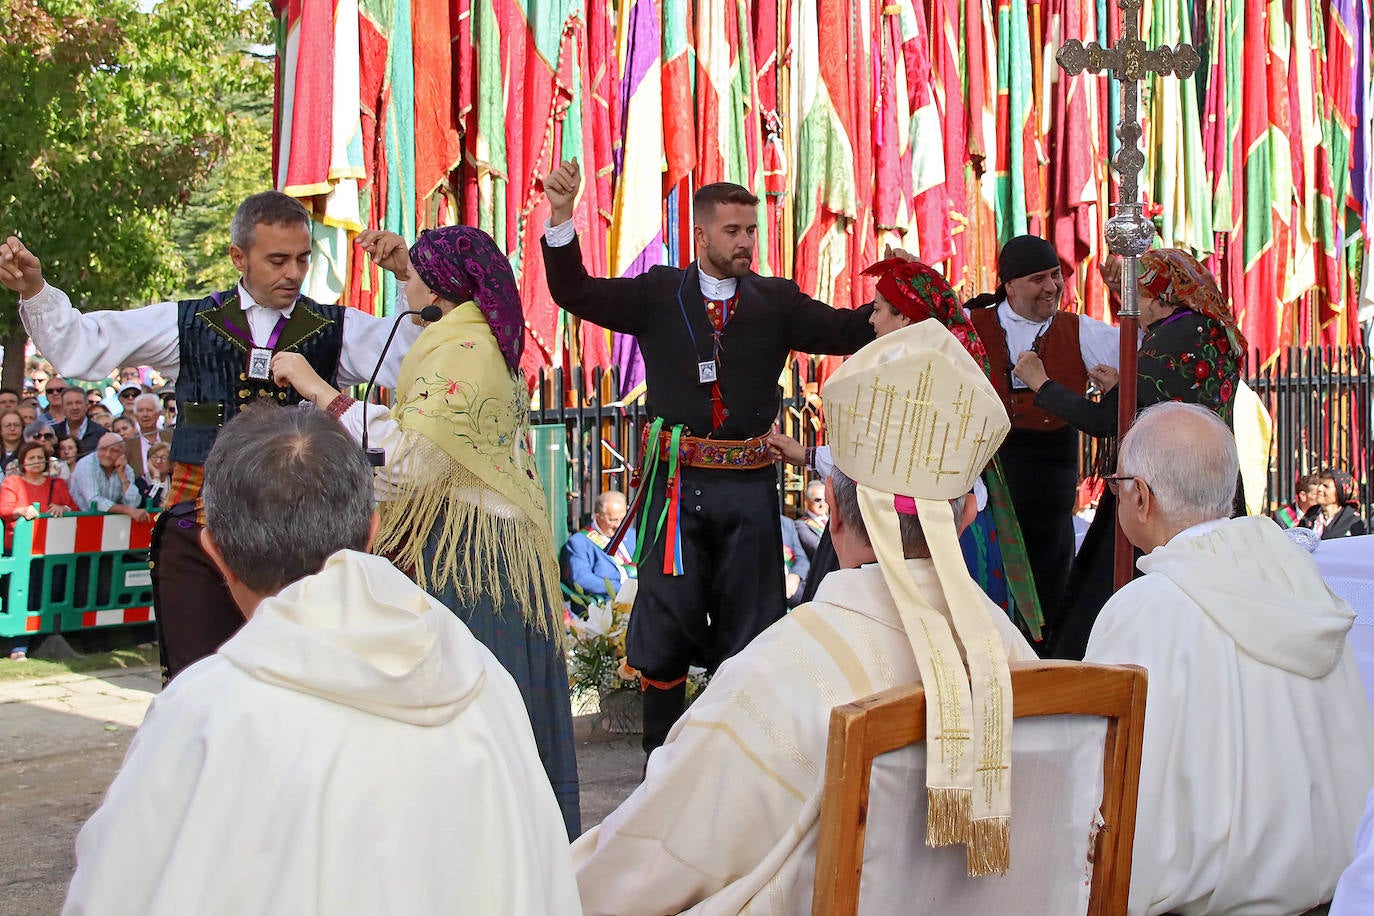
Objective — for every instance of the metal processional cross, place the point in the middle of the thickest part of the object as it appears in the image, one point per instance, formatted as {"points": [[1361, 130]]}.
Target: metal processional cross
{"points": [[1128, 231]]}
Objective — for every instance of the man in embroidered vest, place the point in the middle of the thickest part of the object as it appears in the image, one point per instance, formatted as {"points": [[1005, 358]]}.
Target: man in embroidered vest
{"points": [[714, 337], [586, 564], [1040, 456], [217, 350], [727, 818]]}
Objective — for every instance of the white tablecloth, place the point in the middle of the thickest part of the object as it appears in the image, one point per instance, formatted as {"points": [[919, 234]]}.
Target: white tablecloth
{"points": [[1347, 565]]}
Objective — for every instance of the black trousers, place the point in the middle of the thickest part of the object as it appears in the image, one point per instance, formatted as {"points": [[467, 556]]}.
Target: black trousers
{"points": [[730, 591], [1042, 474], [194, 612]]}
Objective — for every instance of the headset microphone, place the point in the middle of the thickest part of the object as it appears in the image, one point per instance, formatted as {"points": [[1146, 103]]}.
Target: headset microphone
{"points": [[430, 313]]}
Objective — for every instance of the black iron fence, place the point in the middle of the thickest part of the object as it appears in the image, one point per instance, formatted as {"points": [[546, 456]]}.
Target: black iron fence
{"points": [[1320, 401]]}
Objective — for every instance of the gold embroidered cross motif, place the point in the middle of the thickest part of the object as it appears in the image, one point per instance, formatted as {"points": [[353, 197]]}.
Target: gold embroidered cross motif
{"points": [[963, 406], [939, 470], [953, 734], [888, 392], [921, 405], [981, 451], [991, 767]]}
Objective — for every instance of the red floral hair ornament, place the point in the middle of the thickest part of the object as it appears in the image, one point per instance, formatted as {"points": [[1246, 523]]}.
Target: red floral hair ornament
{"points": [[919, 292]]}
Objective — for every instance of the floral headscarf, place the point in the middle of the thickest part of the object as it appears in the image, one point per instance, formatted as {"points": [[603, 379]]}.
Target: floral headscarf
{"points": [[462, 263], [919, 292], [1176, 278], [1347, 492]]}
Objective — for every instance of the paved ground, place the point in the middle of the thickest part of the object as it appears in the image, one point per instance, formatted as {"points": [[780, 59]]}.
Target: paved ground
{"points": [[62, 739]]}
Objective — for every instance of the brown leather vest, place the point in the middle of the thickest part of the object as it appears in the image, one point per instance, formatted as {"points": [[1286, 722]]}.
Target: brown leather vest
{"points": [[1058, 349]]}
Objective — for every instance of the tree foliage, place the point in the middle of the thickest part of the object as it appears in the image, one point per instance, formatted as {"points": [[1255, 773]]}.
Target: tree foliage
{"points": [[200, 230], [116, 117]]}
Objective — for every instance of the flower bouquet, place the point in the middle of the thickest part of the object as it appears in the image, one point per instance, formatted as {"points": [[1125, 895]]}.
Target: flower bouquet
{"points": [[598, 668], [596, 662]]}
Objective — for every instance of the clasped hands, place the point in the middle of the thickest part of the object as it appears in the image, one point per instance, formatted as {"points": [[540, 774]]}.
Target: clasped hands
{"points": [[1030, 368]]}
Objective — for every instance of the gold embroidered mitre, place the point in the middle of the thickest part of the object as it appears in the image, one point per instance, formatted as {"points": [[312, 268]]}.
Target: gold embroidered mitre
{"points": [[913, 420]]}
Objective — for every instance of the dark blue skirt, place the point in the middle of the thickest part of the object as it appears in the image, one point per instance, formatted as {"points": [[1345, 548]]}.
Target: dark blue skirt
{"points": [[536, 663]]}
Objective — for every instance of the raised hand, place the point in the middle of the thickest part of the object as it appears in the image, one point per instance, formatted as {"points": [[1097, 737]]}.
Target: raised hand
{"points": [[560, 187], [387, 249], [20, 269]]}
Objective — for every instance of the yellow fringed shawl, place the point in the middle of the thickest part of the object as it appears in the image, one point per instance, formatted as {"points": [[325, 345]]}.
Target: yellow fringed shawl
{"points": [[471, 474]]}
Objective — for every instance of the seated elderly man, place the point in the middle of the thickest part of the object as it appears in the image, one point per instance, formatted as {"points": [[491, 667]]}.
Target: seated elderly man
{"points": [[726, 820], [1259, 744], [352, 749], [103, 482], [586, 564]]}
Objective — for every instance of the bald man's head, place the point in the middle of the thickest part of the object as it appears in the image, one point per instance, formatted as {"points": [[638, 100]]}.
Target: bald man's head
{"points": [[1187, 457]]}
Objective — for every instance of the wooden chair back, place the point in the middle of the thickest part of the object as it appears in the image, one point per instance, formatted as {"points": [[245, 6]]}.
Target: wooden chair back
{"points": [[887, 721]]}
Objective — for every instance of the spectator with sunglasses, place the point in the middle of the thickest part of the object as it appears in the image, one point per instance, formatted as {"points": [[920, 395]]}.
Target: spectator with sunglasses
{"points": [[40, 432]]}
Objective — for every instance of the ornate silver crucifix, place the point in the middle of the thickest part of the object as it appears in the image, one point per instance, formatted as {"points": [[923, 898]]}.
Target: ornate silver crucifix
{"points": [[1128, 231]]}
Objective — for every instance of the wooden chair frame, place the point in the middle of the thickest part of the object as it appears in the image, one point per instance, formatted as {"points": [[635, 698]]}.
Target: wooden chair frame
{"points": [[895, 718]]}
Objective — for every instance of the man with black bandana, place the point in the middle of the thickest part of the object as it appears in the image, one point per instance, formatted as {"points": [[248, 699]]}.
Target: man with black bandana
{"points": [[1040, 456], [714, 337]]}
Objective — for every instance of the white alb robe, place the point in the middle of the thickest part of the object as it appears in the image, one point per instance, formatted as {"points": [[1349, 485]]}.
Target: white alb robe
{"points": [[1259, 745], [726, 819], [352, 749]]}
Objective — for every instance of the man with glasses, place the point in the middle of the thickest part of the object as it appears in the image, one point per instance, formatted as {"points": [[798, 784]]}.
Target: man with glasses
{"points": [[102, 481], [55, 388], [811, 525], [127, 394], [169, 411], [145, 413], [1258, 738]]}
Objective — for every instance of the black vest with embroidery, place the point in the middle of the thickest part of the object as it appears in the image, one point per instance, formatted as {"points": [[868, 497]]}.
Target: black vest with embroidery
{"points": [[213, 384]]}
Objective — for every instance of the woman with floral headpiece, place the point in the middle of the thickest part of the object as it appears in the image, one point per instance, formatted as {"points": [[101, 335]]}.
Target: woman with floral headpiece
{"points": [[1337, 512], [1191, 351], [461, 504], [907, 292]]}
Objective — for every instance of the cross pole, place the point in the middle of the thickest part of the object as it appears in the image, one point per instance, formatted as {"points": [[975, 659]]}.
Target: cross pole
{"points": [[1128, 231]]}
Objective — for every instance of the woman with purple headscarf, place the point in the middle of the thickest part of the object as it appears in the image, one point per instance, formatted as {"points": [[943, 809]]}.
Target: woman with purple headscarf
{"points": [[461, 505]]}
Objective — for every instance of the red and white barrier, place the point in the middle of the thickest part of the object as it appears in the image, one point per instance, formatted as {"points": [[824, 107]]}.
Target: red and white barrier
{"points": [[89, 534]]}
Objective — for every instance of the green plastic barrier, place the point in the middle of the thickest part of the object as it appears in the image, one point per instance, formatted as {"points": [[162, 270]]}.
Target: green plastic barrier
{"points": [[97, 574]]}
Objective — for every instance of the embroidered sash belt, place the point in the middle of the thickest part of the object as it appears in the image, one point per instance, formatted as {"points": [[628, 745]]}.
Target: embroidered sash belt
{"points": [[723, 454], [673, 450]]}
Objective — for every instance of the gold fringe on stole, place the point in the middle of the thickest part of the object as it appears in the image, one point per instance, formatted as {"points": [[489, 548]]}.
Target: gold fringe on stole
{"points": [[989, 848], [477, 548], [947, 816]]}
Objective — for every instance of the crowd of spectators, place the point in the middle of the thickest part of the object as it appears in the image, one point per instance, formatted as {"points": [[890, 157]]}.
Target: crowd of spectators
{"points": [[108, 444]]}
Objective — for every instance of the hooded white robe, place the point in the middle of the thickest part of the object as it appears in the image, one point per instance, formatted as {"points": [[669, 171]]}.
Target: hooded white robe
{"points": [[352, 749], [1259, 745], [725, 821]]}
